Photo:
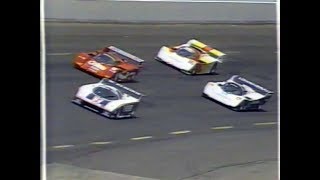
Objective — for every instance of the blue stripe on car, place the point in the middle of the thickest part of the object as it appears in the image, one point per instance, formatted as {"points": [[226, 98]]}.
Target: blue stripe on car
{"points": [[252, 85], [104, 102], [90, 96]]}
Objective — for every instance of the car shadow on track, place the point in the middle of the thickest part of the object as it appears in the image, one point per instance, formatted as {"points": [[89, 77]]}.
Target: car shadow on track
{"points": [[108, 118], [230, 108], [186, 74]]}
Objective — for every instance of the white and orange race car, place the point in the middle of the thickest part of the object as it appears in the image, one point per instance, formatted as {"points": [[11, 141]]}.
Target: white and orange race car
{"points": [[193, 57]]}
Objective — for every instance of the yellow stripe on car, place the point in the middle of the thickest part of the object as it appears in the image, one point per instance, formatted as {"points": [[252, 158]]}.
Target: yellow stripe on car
{"points": [[206, 60], [204, 47], [198, 43], [215, 52]]}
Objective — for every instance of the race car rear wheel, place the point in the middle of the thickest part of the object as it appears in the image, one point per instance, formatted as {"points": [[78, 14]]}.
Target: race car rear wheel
{"points": [[132, 76], [116, 77]]}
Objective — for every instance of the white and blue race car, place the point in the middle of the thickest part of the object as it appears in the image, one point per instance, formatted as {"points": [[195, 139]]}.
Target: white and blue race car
{"points": [[237, 93], [109, 99]]}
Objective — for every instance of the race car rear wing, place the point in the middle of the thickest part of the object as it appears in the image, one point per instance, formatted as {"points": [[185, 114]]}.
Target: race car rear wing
{"points": [[242, 81], [122, 88], [125, 55], [212, 52]]}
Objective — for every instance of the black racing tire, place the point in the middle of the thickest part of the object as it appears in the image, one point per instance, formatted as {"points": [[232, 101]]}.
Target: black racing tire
{"points": [[192, 72], [185, 72], [237, 108], [213, 70], [241, 106], [116, 77], [132, 77], [80, 101], [109, 115]]}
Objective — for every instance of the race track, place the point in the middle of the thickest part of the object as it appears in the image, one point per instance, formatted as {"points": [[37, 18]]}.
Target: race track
{"points": [[173, 102]]}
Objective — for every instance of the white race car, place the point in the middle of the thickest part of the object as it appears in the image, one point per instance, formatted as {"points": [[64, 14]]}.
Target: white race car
{"points": [[108, 98], [237, 93], [194, 57]]}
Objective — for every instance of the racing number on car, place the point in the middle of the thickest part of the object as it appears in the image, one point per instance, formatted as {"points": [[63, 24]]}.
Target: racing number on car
{"points": [[96, 65], [92, 63]]}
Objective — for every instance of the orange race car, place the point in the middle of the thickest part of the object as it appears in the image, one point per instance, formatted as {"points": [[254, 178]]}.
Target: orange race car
{"points": [[110, 62]]}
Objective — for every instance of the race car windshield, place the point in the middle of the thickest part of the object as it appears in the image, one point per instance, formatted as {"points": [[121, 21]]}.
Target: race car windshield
{"points": [[105, 59], [107, 93], [233, 89], [185, 53]]}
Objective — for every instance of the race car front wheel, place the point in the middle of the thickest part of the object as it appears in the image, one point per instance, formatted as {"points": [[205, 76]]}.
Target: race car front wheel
{"points": [[116, 77], [241, 107], [214, 68], [77, 100], [191, 72]]}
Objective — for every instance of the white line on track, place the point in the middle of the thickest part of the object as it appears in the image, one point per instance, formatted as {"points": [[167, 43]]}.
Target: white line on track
{"points": [[232, 52], [200, 1], [141, 138], [221, 127], [58, 54], [101, 143], [180, 132], [265, 123], [62, 146]]}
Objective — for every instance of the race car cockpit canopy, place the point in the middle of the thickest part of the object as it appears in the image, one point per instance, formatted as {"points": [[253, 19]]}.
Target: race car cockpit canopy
{"points": [[107, 93], [121, 88], [233, 88], [105, 59], [187, 52]]}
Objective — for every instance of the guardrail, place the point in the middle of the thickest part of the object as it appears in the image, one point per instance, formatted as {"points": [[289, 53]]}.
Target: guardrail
{"points": [[167, 11]]}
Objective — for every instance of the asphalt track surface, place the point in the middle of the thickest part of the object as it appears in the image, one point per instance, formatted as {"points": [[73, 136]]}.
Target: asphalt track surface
{"points": [[173, 102]]}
